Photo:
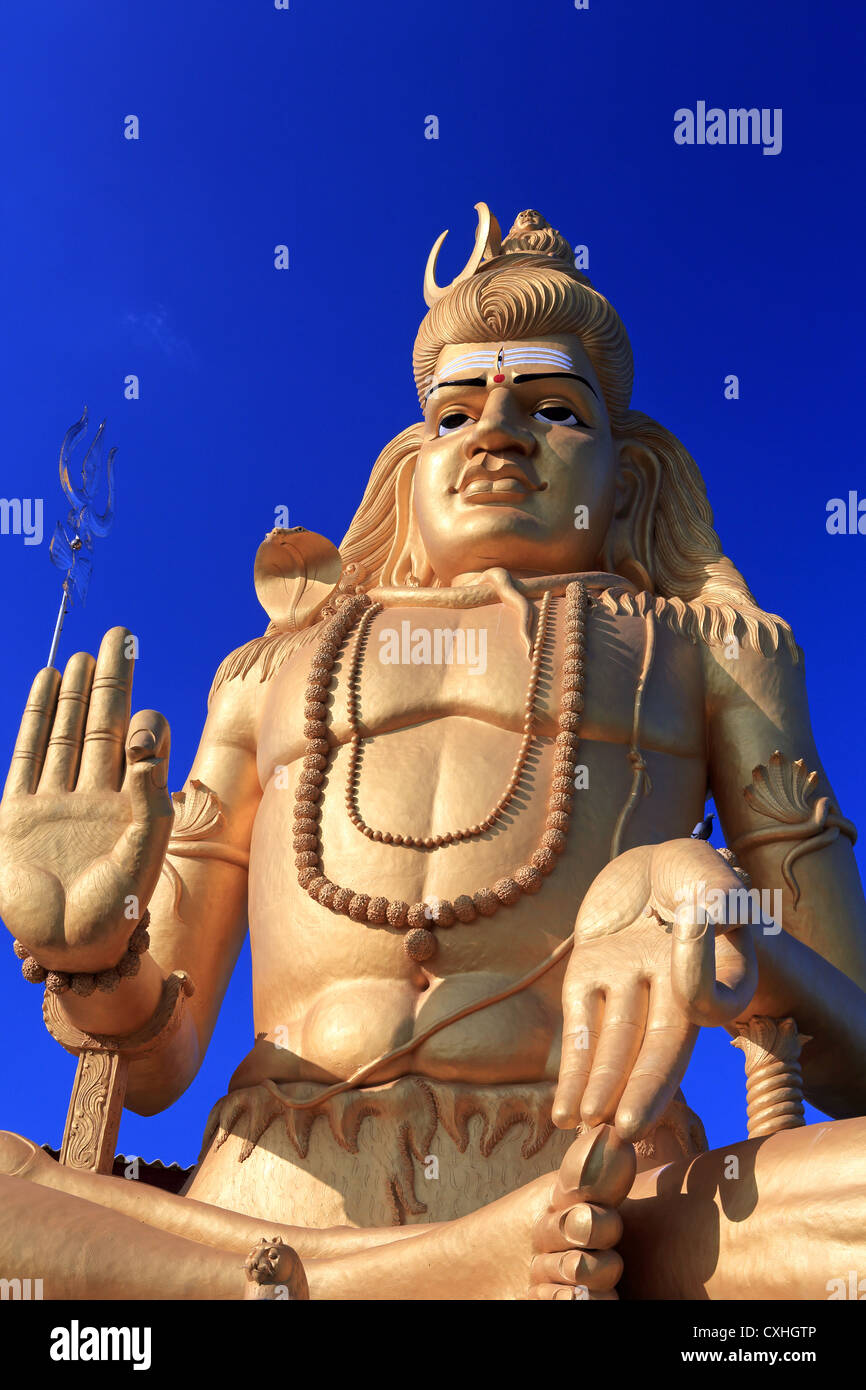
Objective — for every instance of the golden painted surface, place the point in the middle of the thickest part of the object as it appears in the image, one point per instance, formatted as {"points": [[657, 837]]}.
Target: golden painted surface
{"points": [[529, 471]]}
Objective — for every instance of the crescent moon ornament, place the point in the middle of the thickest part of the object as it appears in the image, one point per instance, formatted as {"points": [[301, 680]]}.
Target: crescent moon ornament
{"points": [[488, 244]]}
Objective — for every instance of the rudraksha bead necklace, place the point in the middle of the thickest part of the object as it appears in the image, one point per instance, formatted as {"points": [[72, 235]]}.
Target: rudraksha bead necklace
{"points": [[452, 836], [421, 918]]}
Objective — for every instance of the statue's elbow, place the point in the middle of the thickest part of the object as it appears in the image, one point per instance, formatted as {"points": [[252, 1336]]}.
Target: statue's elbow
{"points": [[155, 1082]]}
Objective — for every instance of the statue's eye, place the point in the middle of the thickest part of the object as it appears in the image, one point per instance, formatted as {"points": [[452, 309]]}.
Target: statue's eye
{"points": [[454, 420], [558, 415]]}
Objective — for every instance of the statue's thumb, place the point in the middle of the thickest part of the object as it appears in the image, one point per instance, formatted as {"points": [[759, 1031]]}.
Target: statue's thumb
{"points": [[147, 749], [140, 850], [708, 1001]]}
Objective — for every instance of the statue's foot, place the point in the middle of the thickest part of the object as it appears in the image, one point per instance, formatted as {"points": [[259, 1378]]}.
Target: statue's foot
{"points": [[19, 1155], [551, 1239], [573, 1238]]}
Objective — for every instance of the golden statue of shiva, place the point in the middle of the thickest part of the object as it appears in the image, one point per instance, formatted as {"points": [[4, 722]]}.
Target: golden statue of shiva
{"points": [[450, 789]]}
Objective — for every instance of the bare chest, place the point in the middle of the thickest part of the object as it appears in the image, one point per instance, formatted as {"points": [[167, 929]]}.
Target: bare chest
{"points": [[439, 737], [418, 666]]}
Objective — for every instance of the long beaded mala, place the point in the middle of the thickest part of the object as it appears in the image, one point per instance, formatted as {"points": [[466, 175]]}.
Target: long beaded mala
{"points": [[420, 918]]}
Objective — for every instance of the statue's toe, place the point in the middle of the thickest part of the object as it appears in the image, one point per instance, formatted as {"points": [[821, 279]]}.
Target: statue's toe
{"points": [[551, 1292], [597, 1271], [17, 1154], [574, 1238], [584, 1226], [599, 1167]]}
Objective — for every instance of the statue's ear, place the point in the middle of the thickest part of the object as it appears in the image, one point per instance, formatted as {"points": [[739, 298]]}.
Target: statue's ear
{"points": [[628, 546], [296, 571]]}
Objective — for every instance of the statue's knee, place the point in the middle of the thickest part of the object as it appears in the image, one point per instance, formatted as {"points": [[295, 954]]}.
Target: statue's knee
{"points": [[18, 1156]]}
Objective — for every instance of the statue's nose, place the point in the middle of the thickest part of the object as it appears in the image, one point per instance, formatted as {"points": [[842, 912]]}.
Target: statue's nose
{"points": [[499, 429]]}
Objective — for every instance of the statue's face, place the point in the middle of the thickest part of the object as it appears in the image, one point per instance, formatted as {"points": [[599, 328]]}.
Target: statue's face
{"points": [[517, 466]]}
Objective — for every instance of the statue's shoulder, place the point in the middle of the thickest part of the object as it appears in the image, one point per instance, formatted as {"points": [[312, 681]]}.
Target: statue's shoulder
{"points": [[745, 655], [623, 601], [751, 660], [724, 628], [254, 664]]}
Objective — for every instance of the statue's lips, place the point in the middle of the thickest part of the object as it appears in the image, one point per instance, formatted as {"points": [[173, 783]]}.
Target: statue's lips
{"points": [[495, 490]]}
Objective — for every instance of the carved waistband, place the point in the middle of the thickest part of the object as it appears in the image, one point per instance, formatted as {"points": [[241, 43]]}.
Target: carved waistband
{"points": [[408, 1114]]}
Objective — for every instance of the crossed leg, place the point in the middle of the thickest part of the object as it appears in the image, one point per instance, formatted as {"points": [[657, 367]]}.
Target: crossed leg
{"points": [[778, 1218], [90, 1236]]}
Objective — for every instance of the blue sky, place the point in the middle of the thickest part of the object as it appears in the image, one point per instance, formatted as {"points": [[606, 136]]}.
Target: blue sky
{"points": [[261, 388]]}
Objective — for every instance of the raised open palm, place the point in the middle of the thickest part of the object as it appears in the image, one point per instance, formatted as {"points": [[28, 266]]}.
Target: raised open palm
{"points": [[85, 816]]}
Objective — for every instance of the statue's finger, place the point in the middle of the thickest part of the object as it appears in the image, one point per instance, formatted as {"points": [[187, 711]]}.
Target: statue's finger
{"points": [[622, 1033], [581, 1028], [140, 850], [108, 714], [63, 753], [736, 962], [148, 744], [33, 732], [706, 996], [148, 739], [660, 1066]]}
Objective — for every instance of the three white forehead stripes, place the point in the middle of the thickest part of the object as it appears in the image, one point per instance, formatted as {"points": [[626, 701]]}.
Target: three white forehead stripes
{"points": [[510, 357]]}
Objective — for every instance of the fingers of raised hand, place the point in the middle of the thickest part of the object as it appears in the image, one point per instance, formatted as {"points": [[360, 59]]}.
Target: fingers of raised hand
{"points": [[72, 731], [33, 733], [108, 714], [63, 752]]}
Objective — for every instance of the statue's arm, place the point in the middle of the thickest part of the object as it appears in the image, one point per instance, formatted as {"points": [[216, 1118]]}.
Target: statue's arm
{"points": [[815, 968], [198, 909]]}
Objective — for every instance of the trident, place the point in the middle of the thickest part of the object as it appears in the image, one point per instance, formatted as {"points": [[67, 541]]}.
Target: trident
{"points": [[74, 553]]}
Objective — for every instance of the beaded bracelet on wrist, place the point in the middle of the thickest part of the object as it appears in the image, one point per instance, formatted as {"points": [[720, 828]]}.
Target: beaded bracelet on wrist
{"points": [[81, 983], [420, 918]]}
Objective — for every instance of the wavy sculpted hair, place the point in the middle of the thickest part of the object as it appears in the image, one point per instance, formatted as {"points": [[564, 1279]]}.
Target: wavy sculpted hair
{"points": [[666, 544]]}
